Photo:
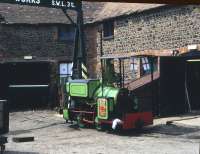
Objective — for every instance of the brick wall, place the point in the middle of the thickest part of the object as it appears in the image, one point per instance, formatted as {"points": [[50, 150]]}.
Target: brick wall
{"points": [[36, 40], [42, 41], [91, 51], [162, 28]]}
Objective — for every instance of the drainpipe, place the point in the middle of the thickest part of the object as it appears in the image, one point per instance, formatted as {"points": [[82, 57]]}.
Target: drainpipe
{"points": [[152, 87], [101, 54]]}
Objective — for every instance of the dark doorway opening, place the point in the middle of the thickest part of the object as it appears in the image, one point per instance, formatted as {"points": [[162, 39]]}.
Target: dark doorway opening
{"points": [[179, 84], [25, 84], [172, 98], [193, 82]]}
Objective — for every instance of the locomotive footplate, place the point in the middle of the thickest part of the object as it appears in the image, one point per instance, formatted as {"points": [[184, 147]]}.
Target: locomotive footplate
{"points": [[84, 117], [132, 120]]}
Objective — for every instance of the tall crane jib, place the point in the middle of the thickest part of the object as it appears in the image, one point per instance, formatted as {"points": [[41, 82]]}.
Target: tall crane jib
{"points": [[79, 66]]}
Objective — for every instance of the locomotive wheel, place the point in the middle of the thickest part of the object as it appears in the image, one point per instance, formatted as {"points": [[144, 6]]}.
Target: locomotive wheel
{"points": [[139, 124], [80, 122], [98, 126], [2, 149]]}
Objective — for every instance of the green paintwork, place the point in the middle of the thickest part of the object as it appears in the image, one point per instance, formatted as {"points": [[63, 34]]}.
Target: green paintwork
{"points": [[92, 89], [80, 122], [97, 124], [79, 89], [111, 104], [106, 109], [65, 114], [108, 92], [109, 108], [93, 86], [82, 88]]}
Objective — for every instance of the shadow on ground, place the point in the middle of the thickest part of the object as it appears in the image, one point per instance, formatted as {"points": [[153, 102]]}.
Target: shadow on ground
{"points": [[18, 152], [74, 126], [17, 132], [162, 130], [172, 129]]}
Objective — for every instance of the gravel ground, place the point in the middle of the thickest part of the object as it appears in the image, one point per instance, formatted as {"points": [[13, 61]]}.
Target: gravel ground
{"points": [[54, 136]]}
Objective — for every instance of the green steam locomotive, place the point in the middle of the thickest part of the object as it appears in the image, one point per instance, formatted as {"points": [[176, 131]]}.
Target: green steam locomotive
{"points": [[93, 103]]}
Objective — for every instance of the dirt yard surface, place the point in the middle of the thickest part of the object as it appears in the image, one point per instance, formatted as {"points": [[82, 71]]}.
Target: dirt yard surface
{"points": [[53, 136]]}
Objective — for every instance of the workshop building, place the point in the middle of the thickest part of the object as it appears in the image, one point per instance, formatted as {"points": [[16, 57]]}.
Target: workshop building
{"points": [[34, 40], [139, 32], [36, 47]]}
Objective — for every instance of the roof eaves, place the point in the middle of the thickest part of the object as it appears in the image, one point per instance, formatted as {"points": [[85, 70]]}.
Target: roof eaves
{"points": [[128, 13]]}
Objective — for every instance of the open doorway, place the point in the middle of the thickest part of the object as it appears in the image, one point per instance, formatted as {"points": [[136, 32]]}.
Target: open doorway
{"points": [[193, 82], [172, 98], [26, 85], [179, 84]]}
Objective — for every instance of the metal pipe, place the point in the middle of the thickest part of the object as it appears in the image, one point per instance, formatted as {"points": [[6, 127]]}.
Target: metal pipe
{"points": [[101, 54], [70, 19], [120, 72], [152, 87], [123, 71], [186, 90]]}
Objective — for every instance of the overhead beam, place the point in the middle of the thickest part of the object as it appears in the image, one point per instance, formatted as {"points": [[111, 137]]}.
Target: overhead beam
{"points": [[65, 4], [151, 1], [71, 4]]}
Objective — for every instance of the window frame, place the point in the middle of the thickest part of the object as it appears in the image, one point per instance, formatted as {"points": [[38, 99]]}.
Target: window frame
{"points": [[134, 66], [69, 67], [66, 31], [108, 29], [145, 64]]}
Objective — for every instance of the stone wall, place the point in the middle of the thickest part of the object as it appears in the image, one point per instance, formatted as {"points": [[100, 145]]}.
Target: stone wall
{"points": [[157, 29], [36, 40]]}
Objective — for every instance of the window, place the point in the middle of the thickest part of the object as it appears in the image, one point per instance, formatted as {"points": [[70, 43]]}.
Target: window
{"points": [[66, 33], [134, 66], [155, 64], [145, 66], [108, 29], [66, 69], [142, 66]]}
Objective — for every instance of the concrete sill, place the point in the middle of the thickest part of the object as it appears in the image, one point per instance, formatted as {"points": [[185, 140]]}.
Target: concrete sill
{"points": [[108, 37]]}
